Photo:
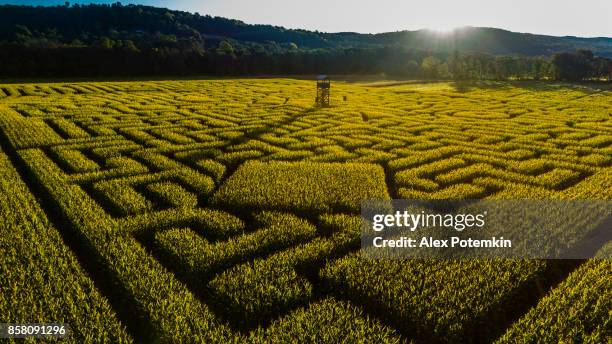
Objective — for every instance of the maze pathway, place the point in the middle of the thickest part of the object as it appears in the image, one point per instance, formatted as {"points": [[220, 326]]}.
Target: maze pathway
{"points": [[227, 210]]}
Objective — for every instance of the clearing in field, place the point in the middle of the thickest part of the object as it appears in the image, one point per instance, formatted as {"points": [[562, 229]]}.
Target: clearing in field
{"points": [[227, 210]]}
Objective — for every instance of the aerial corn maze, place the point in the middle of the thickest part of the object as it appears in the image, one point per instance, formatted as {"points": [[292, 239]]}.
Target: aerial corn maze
{"points": [[223, 211]]}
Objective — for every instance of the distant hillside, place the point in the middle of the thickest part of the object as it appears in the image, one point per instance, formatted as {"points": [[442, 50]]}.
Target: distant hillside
{"points": [[147, 27], [488, 40], [133, 40]]}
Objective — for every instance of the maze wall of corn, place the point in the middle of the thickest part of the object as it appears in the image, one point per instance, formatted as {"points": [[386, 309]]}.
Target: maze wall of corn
{"points": [[221, 211]]}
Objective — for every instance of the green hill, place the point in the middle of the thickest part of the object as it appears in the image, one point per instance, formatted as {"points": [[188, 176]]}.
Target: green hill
{"points": [[147, 26]]}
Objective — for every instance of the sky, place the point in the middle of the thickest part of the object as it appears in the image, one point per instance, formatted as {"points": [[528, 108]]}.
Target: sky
{"points": [[584, 18]]}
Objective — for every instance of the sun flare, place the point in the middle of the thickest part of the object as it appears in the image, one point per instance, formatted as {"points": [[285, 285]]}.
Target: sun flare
{"points": [[443, 28]]}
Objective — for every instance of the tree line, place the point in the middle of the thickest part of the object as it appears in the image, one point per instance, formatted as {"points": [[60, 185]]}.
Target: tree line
{"points": [[121, 59], [116, 40]]}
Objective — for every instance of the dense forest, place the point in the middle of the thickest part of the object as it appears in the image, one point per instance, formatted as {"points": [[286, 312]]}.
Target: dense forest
{"points": [[134, 40]]}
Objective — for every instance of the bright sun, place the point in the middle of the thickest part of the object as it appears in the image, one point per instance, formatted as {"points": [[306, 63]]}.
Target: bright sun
{"points": [[444, 27]]}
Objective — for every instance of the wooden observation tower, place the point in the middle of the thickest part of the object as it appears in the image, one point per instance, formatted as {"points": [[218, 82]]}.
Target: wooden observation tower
{"points": [[323, 86]]}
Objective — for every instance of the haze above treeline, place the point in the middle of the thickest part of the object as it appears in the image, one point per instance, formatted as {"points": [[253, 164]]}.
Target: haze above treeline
{"points": [[80, 32], [86, 23]]}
